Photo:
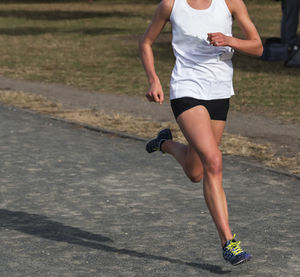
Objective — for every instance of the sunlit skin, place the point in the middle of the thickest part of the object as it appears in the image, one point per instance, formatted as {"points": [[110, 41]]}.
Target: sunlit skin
{"points": [[201, 158]]}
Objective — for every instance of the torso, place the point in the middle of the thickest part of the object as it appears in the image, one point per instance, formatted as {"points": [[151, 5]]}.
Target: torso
{"points": [[197, 66]]}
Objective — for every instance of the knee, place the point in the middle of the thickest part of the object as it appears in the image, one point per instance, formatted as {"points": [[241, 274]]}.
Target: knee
{"points": [[193, 171], [195, 178], [213, 163]]}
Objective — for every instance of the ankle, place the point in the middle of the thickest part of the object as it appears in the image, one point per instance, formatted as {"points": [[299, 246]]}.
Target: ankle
{"points": [[226, 238], [162, 145]]}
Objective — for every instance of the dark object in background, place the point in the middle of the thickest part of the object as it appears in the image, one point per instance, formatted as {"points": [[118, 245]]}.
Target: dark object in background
{"points": [[275, 50], [289, 21], [293, 59]]}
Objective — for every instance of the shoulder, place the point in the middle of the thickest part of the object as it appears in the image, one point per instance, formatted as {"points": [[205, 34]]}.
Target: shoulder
{"points": [[165, 7], [167, 4], [236, 6]]}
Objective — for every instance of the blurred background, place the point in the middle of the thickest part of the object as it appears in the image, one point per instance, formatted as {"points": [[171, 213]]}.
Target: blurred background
{"points": [[92, 45]]}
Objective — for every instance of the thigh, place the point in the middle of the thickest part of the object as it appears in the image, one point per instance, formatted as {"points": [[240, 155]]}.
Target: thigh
{"points": [[218, 129], [203, 134]]}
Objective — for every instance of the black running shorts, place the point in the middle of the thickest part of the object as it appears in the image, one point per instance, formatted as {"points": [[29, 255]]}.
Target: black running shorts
{"points": [[217, 109]]}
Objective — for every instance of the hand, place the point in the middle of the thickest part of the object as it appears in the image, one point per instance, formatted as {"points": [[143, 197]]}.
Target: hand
{"points": [[218, 39], [155, 93]]}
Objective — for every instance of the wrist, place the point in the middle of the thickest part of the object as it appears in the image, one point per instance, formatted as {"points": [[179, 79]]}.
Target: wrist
{"points": [[230, 41], [153, 80]]}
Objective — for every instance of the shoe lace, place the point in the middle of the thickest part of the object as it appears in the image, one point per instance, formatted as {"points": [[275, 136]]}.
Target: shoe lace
{"points": [[234, 247]]}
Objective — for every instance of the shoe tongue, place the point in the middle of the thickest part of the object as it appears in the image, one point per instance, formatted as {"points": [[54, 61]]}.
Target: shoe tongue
{"points": [[226, 244]]}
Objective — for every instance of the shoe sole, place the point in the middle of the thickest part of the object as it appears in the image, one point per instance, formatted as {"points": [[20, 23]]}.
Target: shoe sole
{"points": [[147, 147], [243, 261]]}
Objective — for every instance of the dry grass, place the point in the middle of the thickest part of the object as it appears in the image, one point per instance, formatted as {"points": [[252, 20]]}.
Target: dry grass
{"points": [[231, 144], [94, 47]]}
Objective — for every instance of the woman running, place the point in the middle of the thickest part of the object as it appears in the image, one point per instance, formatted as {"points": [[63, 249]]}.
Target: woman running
{"points": [[200, 89]]}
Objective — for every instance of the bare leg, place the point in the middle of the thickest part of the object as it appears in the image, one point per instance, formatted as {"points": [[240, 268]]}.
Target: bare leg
{"points": [[202, 157], [188, 157]]}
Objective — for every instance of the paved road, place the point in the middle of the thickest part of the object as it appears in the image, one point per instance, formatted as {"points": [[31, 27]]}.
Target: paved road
{"points": [[80, 203]]}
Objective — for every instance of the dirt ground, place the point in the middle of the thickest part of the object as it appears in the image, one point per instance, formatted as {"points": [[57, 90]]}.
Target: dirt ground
{"points": [[284, 137]]}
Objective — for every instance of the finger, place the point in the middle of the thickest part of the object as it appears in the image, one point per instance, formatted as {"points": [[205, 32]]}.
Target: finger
{"points": [[155, 97], [149, 97], [213, 42], [216, 36], [161, 98]]}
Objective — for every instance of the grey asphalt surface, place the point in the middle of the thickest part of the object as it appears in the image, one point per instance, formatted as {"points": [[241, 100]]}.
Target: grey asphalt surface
{"points": [[80, 203]]}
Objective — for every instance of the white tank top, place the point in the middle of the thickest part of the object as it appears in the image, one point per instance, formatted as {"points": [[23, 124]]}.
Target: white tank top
{"points": [[201, 70]]}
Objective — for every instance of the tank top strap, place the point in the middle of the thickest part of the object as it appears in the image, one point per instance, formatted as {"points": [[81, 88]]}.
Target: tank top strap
{"points": [[177, 6]]}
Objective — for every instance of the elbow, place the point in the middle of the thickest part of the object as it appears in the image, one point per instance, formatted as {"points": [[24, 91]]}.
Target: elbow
{"points": [[141, 43], [259, 48], [260, 51], [141, 47], [144, 45], [256, 48]]}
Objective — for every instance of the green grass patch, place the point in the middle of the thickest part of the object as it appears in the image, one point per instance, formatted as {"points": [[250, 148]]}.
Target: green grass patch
{"points": [[95, 47]]}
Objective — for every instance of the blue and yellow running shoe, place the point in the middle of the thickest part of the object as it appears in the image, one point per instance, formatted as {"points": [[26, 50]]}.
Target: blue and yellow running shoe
{"points": [[233, 253], [155, 144]]}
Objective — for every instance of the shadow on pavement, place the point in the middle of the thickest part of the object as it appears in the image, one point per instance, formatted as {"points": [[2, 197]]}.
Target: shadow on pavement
{"points": [[43, 227]]}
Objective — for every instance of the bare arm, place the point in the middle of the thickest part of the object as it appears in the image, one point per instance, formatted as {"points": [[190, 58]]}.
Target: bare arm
{"points": [[161, 16], [252, 43]]}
